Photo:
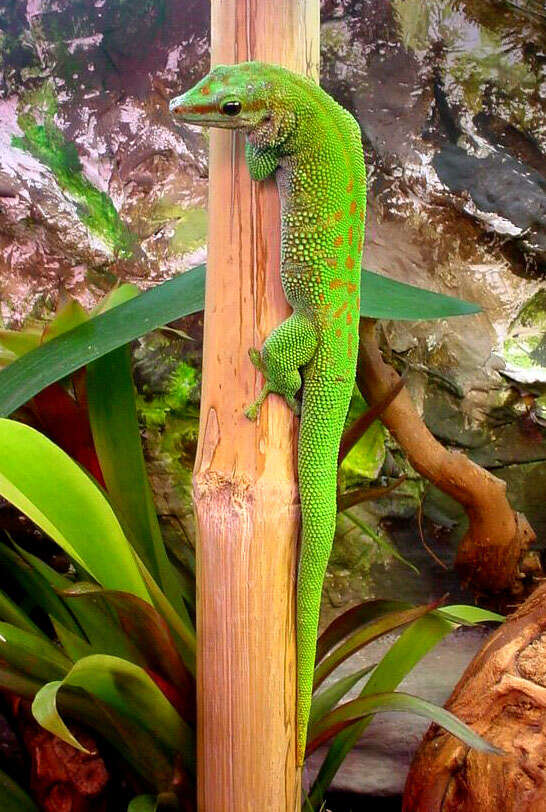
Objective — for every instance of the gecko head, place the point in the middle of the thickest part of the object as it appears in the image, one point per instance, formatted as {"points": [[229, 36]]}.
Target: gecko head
{"points": [[248, 96]]}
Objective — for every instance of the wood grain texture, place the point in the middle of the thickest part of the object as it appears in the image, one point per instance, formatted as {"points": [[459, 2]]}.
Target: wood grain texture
{"points": [[245, 492]]}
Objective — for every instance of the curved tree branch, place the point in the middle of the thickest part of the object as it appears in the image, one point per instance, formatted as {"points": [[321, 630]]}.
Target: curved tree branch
{"points": [[497, 536]]}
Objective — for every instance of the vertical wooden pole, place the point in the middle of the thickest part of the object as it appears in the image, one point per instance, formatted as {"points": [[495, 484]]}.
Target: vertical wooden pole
{"points": [[245, 492]]}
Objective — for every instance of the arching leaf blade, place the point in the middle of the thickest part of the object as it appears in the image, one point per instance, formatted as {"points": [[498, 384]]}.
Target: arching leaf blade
{"points": [[54, 492], [181, 296], [358, 709]]}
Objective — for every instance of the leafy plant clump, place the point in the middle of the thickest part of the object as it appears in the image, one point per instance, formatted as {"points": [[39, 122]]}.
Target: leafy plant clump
{"points": [[110, 642]]}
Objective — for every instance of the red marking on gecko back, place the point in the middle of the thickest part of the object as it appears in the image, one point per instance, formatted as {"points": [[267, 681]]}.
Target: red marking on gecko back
{"points": [[205, 90], [331, 261], [350, 235], [340, 310], [352, 207], [349, 263], [338, 240], [350, 185]]}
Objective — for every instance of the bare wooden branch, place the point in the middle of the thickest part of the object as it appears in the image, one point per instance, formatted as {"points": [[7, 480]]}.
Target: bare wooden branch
{"points": [[497, 536]]}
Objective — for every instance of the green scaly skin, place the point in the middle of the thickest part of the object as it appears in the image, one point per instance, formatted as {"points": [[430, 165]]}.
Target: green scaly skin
{"points": [[298, 133]]}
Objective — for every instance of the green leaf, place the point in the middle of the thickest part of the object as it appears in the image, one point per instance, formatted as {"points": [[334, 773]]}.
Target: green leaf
{"points": [[17, 683], [363, 707], [54, 492], [19, 342], [120, 295], [12, 797], [116, 436], [384, 298], [10, 612], [468, 615], [144, 803], [75, 645], [58, 358], [352, 619], [31, 654], [67, 318], [128, 690], [403, 655], [181, 296], [98, 624], [37, 589], [145, 627], [371, 631], [326, 699], [182, 627]]}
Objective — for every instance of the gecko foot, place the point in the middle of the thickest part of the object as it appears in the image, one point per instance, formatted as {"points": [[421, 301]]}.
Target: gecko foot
{"points": [[253, 410], [256, 358]]}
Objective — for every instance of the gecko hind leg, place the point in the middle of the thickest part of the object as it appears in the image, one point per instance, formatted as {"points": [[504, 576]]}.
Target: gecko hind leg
{"points": [[290, 346]]}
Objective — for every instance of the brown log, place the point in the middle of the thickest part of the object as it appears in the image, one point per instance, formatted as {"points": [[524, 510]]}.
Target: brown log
{"points": [[63, 779], [502, 695], [491, 552], [245, 493]]}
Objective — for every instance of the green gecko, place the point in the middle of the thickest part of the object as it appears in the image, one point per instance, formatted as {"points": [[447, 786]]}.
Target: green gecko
{"points": [[298, 133]]}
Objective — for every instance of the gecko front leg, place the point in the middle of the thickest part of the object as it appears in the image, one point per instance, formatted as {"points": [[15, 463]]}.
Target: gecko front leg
{"points": [[290, 346]]}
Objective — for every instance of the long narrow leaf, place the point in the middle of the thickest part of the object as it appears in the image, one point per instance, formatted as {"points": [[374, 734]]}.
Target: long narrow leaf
{"points": [[182, 627], [97, 623], [371, 631], [11, 613], [18, 683], [352, 619], [181, 296], [58, 358], [128, 690], [31, 654], [329, 697], [363, 707], [411, 646], [468, 615], [13, 798], [37, 589], [384, 298], [112, 412], [53, 491], [149, 633]]}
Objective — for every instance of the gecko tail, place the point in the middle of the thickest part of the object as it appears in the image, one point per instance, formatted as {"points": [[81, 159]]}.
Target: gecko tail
{"points": [[320, 433]]}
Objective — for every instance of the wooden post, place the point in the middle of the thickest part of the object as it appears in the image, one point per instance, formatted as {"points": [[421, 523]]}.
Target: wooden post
{"points": [[245, 492]]}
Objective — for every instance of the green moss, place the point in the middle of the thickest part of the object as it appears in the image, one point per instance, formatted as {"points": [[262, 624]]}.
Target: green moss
{"points": [[489, 64], [174, 414], [45, 141]]}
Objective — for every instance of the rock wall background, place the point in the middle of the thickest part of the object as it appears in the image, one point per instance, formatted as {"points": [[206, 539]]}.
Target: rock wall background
{"points": [[98, 184]]}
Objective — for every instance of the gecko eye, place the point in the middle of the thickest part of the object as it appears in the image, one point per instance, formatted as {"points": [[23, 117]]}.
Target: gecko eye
{"points": [[231, 108]]}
